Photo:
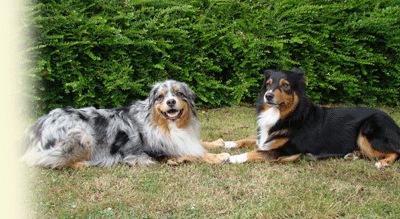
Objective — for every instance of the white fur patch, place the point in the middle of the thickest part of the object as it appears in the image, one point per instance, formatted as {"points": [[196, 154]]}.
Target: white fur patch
{"points": [[241, 158], [379, 165], [266, 146], [230, 144], [265, 121], [185, 140]]}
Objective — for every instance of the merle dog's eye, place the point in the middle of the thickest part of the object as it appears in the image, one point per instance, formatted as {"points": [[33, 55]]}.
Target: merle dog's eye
{"points": [[180, 94], [160, 97]]}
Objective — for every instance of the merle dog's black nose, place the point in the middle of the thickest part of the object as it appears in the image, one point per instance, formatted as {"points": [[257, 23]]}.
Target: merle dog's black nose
{"points": [[269, 96], [171, 102]]}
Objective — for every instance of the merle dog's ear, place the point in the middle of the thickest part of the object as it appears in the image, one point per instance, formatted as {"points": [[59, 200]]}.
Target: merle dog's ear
{"points": [[267, 74], [300, 72], [189, 93], [191, 97], [152, 94]]}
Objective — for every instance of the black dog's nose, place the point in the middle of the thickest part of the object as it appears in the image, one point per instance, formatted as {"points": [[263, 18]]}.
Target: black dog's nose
{"points": [[269, 96], [171, 102]]}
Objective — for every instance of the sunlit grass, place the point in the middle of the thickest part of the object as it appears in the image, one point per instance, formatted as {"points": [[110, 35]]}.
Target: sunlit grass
{"points": [[305, 189]]}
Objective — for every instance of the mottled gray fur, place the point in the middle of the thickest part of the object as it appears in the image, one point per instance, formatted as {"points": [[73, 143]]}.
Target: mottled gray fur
{"points": [[104, 137]]}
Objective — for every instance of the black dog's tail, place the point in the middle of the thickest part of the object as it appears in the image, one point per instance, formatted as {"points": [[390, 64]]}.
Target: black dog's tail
{"points": [[381, 129], [379, 138]]}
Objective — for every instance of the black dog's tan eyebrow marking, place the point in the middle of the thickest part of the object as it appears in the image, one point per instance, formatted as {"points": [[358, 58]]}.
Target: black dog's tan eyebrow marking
{"points": [[284, 84], [269, 82]]}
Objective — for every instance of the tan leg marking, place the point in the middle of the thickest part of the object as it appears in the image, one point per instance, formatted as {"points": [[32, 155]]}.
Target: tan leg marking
{"points": [[270, 156], [385, 158], [389, 159], [215, 158], [245, 142], [208, 158], [261, 155], [79, 165], [291, 158], [215, 144], [277, 143]]}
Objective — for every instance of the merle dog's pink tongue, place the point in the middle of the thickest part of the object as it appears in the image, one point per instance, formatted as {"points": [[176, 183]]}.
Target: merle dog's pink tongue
{"points": [[172, 114]]}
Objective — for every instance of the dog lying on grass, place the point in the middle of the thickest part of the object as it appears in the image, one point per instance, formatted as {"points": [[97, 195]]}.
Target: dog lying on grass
{"points": [[290, 126], [164, 127]]}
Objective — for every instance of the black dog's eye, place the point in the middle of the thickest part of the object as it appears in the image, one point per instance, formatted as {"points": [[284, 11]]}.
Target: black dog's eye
{"points": [[285, 86]]}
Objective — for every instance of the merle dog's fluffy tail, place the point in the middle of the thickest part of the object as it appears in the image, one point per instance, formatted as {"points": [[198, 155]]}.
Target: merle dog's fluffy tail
{"points": [[77, 146]]}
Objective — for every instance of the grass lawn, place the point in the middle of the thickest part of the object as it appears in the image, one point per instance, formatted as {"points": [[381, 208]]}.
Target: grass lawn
{"points": [[305, 189]]}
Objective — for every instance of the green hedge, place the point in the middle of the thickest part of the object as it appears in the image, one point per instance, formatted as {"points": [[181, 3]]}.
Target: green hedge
{"points": [[108, 53]]}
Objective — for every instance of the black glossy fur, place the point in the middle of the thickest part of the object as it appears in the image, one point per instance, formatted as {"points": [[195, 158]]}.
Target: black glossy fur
{"points": [[320, 131]]}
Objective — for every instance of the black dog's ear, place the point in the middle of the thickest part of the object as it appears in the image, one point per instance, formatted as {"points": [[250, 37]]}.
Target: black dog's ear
{"points": [[300, 72], [267, 74]]}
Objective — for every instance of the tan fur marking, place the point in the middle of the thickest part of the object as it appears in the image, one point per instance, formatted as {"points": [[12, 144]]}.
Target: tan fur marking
{"points": [[159, 120], [163, 92], [176, 89], [79, 165], [269, 82], [389, 159], [291, 100], [185, 118], [245, 142], [270, 156], [215, 158], [211, 145], [208, 158], [291, 103], [261, 155], [279, 132], [277, 143], [291, 158], [265, 107], [282, 82], [366, 148]]}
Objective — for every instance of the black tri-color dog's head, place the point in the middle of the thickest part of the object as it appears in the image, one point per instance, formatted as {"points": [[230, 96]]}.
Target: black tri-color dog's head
{"points": [[171, 101], [281, 89]]}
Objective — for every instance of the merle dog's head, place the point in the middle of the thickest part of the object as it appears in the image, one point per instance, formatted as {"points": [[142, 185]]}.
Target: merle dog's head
{"points": [[171, 101]]}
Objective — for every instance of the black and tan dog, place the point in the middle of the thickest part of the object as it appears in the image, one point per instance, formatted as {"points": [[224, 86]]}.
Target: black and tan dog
{"points": [[290, 126]]}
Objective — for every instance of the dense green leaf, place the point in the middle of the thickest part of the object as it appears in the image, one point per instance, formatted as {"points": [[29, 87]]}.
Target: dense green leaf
{"points": [[109, 53]]}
